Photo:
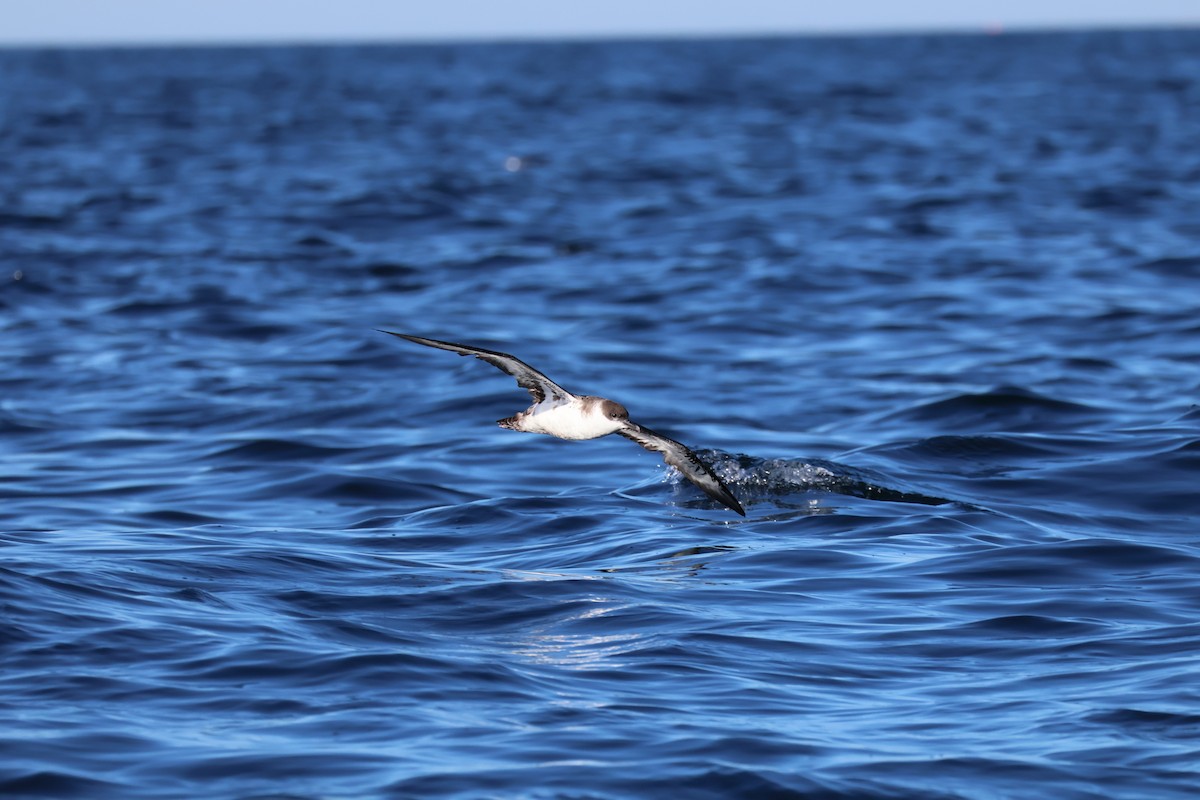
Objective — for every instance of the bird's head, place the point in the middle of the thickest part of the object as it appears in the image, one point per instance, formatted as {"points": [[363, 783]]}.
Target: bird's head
{"points": [[614, 411]]}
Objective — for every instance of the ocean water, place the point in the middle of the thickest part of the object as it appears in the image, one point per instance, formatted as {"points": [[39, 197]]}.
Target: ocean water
{"points": [[930, 306]]}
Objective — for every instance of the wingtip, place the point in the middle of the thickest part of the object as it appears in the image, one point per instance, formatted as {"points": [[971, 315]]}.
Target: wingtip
{"points": [[725, 497], [732, 503], [406, 337], [721, 494]]}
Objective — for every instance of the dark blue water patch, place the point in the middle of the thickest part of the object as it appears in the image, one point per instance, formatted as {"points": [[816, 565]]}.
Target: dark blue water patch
{"points": [[1072, 562], [1004, 408], [1183, 267], [49, 783], [926, 304], [1154, 723]]}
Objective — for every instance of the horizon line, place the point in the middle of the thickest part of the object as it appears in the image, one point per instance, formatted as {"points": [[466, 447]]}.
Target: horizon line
{"points": [[997, 29]]}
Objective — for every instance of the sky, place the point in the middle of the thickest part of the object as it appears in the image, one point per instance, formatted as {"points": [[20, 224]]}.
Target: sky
{"points": [[27, 22]]}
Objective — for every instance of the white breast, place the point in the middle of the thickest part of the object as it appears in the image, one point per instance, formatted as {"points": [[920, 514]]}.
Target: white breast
{"points": [[568, 421]]}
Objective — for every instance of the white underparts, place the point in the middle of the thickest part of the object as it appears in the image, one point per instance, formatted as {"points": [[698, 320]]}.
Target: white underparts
{"points": [[574, 419]]}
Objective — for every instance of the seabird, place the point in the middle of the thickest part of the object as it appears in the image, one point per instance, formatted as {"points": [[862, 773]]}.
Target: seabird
{"points": [[557, 412]]}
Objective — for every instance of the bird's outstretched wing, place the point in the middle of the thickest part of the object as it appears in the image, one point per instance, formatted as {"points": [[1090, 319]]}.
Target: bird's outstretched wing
{"points": [[685, 461], [539, 386]]}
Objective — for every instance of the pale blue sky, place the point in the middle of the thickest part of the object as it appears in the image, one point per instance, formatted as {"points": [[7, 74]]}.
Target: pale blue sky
{"points": [[135, 21]]}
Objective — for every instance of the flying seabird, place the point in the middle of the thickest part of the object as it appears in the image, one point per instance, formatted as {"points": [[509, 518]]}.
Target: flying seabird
{"points": [[557, 412]]}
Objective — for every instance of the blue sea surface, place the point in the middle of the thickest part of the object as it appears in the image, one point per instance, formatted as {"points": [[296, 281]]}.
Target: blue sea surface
{"points": [[930, 305]]}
